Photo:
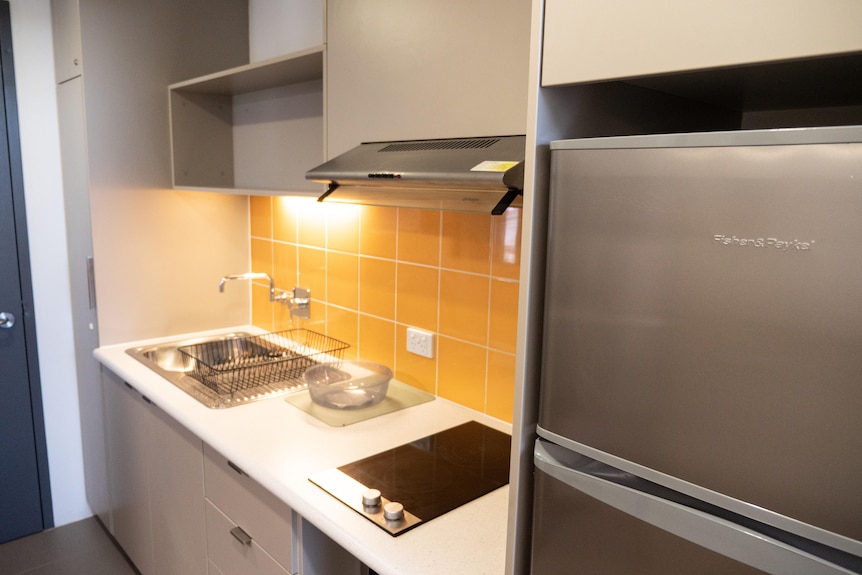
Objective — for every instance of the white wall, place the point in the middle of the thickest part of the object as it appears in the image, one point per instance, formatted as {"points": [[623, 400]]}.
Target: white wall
{"points": [[43, 186], [159, 252]]}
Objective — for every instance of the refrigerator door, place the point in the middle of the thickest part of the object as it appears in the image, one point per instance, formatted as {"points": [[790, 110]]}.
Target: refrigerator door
{"points": [[703, 320], [592, 518]]}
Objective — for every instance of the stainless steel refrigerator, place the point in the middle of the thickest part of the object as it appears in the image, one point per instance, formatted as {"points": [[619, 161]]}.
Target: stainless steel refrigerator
{"points": [[701, 401]]}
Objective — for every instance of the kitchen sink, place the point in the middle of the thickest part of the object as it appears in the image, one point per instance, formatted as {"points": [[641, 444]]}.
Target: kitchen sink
{"points": [[183, 371]]}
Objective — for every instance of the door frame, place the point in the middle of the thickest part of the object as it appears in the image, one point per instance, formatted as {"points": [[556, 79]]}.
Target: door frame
{"points": [[9, 104]]}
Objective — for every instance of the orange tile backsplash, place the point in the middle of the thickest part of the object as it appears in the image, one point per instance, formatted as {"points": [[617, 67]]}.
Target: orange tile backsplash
{"points": [[466, 244], [375, 271]]}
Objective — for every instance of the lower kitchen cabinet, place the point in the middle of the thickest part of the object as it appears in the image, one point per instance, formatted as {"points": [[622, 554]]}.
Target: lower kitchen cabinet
{"points": [[155, 484], [273, 539], [178, 507], [249, 530], [128, 493], [232, 551]]}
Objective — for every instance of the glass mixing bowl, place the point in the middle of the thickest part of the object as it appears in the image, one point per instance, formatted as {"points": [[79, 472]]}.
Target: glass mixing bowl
{"points": [[348, 384]]}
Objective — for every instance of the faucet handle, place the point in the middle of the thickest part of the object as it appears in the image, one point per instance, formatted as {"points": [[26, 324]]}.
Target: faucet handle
{"points": [[300, 303]]}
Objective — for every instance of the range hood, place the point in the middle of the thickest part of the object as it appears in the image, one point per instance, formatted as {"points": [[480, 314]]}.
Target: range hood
{"points": [[463, 174]]}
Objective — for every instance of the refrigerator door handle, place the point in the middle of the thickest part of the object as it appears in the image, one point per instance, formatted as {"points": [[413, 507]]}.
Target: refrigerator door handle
{"points": [[690, 518]]}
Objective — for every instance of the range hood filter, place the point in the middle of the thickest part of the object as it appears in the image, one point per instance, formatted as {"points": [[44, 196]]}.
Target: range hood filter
{"points": [[463, 174]]}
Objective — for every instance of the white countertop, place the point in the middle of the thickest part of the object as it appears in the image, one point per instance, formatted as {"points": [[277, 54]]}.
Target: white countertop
{"points": [[280, 446]]}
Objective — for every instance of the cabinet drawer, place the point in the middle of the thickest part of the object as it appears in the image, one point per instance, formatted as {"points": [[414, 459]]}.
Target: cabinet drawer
{"points": [[263, 516], [232, 557]]}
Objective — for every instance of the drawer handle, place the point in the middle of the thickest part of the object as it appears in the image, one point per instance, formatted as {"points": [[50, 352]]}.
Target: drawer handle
{"points": [[241, 536]]}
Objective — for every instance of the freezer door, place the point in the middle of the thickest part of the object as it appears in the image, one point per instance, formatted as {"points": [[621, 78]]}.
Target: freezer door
{"points": [[592, 518], [704, 319]]}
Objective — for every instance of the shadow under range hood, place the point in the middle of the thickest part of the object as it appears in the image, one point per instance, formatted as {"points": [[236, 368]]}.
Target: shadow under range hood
{"points": [[464, 174]]}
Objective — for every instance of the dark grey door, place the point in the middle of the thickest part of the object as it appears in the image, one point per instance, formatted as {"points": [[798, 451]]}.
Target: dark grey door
{"points": [[24, 494]]}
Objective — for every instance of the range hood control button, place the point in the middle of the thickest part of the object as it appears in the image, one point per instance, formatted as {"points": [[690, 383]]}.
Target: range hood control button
{"points": [[371, 498], [393, 511]]}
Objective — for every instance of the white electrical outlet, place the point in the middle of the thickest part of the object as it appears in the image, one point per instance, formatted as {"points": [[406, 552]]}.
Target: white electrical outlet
{"points": [[420, 342]]}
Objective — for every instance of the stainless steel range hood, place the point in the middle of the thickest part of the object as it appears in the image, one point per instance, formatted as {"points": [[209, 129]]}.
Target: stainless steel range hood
{"points": [[463, 174]]}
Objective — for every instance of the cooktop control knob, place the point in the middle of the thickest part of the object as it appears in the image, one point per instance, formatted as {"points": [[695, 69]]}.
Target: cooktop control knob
{"points": [[371, 497], [393, 511]]}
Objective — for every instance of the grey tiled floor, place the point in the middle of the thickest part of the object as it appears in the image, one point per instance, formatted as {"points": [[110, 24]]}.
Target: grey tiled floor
{"points": [[81, 548]]}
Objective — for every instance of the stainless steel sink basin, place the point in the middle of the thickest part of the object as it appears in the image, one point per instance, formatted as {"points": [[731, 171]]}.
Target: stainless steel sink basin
{"points": [[166, 360]]}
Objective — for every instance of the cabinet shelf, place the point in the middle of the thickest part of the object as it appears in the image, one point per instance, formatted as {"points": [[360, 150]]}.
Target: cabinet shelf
{"points": [[254, 129]]}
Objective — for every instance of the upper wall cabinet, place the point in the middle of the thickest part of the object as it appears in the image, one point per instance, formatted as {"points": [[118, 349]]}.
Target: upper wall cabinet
{"points": [[595, 40], [425, 69], [278, 27], [255, 129]]}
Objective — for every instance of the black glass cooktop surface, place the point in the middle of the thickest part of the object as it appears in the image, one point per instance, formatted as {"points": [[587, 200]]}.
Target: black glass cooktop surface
{"points": [[429, 477]]}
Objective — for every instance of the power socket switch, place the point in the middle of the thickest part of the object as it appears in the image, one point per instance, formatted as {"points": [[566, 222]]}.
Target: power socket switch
{"points": [[420, 342]]}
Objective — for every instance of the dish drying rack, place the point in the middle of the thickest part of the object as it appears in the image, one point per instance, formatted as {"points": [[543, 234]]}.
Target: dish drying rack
{"points": [[238, 364]]}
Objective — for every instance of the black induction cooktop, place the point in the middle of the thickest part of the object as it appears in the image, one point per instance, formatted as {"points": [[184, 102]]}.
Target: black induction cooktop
{"points": [[403, 487]]}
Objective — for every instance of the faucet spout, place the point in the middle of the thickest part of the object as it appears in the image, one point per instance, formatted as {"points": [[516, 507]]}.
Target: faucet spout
{"points": [[249, 276], [297, 300]]}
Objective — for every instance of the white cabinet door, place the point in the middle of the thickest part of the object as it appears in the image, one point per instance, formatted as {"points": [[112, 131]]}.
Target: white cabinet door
{"points": [[155, 477], [425, 69], [126, 435], [79, 238], [66, 21], [176, 497], [593, 40]]}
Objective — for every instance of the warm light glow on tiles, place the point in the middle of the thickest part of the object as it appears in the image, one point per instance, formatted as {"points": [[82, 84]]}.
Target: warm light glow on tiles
{"points": [[510, 224], [311, 224], [417, 296], [466, 244], [377, 231], [261, 256], [464, 306], [506, 244], [377, 340], [342, 279], [285, 270], [462, 372], [284, 215], [503, 316], [261, 216], [374, 271], [418, 236], [501, 371], [342, 227], [377, 287]]}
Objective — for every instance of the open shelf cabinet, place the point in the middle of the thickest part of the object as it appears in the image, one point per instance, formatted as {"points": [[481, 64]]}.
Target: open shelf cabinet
{"points": [[255, 129]]}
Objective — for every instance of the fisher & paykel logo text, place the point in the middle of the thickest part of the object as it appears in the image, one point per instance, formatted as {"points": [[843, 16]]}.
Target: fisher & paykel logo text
{"points": [[762, 242]]}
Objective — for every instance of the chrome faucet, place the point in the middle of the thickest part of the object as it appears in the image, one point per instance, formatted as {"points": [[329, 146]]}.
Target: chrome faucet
{"points": [[299, 300], [250, 276]]}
